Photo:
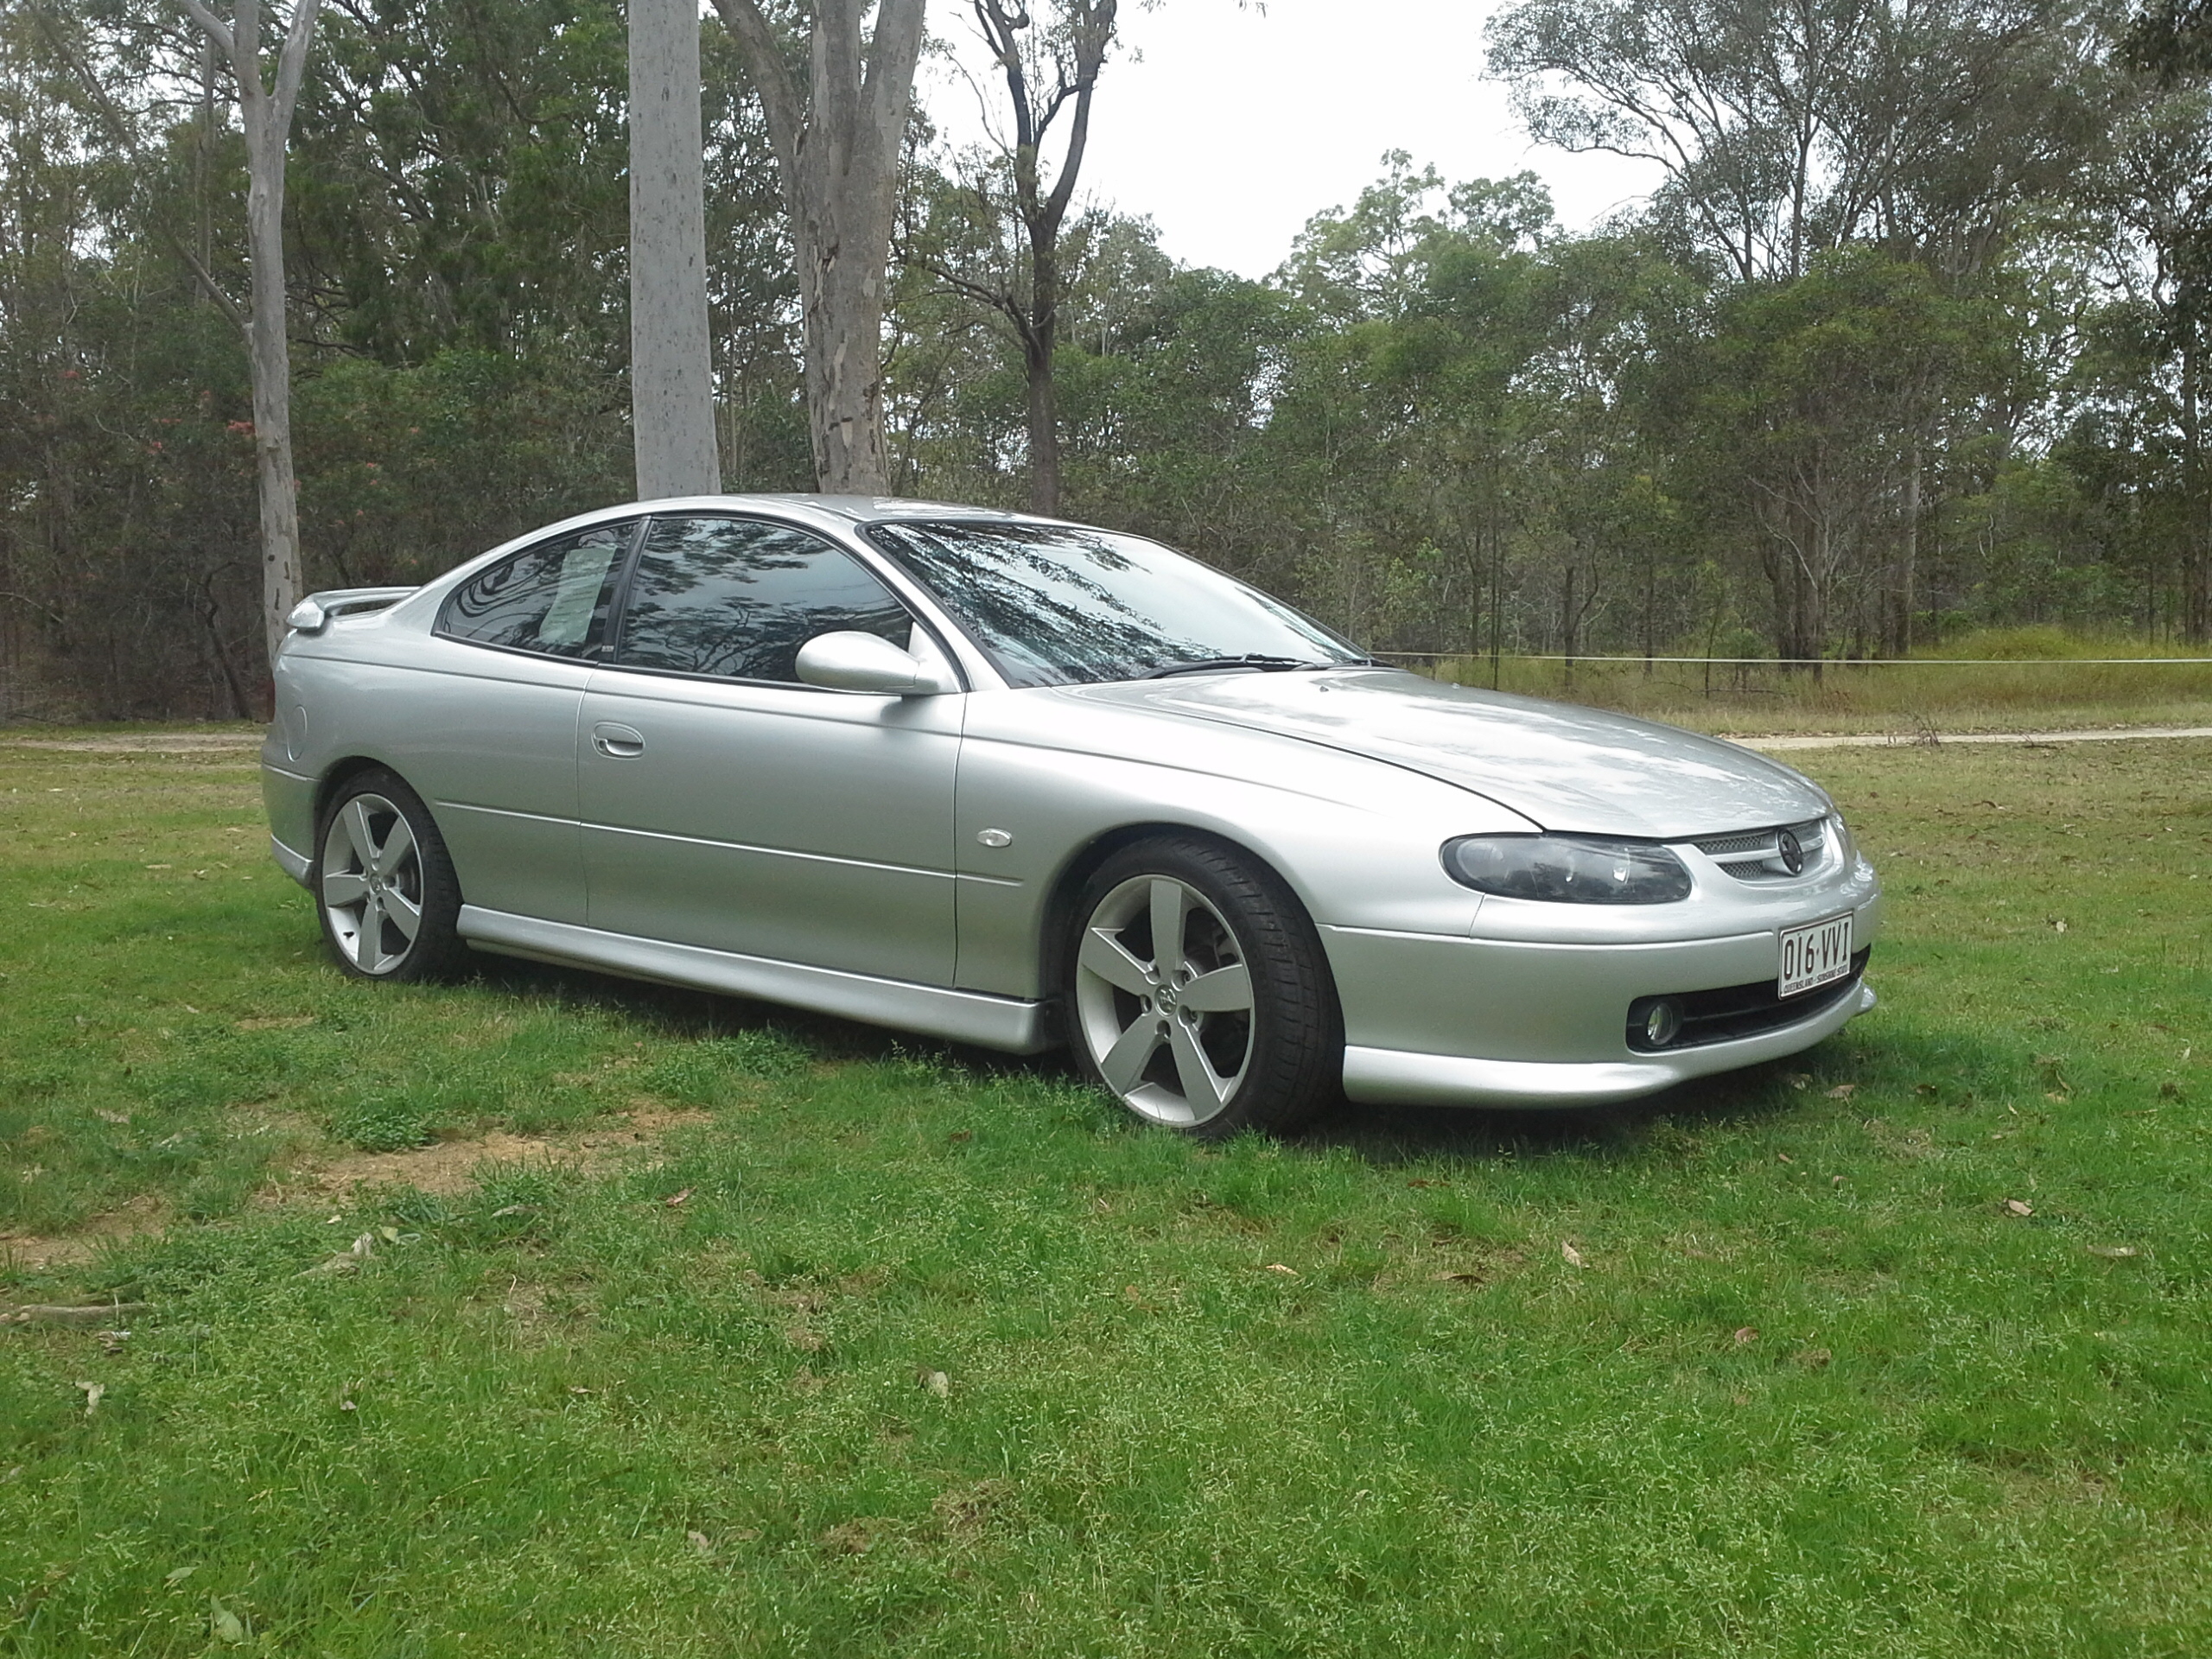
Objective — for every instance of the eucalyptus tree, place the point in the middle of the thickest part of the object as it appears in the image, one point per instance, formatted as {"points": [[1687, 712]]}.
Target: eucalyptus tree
{"points": [[458, 179], [1932, 132], [1804, 402], [837, 117], [264, 110], [1049, 61], [265, 113], [2157, 189], [1785, 131], [671, 371], [1416, 410]]}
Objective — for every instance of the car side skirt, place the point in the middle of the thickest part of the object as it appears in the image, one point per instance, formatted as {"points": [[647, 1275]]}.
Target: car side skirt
{"points": [[1394, 1077], [1012, 1023]]}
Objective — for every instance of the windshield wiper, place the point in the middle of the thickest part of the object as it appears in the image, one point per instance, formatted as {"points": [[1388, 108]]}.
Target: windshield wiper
{"points": [[1252, 659]]}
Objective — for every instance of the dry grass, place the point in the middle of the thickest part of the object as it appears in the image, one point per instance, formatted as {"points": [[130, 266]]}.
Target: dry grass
{"points": [[2035, 677]]}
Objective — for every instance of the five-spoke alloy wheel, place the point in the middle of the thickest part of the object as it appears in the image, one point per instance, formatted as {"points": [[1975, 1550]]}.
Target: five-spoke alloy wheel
{"points": [[1197, 992], [386, 890]]}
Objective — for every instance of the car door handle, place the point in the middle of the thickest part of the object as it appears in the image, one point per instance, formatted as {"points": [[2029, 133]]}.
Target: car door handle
{"points": [[619, 742]]}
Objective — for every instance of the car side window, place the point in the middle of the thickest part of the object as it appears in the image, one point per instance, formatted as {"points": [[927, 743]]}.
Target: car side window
{"points": [[553, 597], [736, 598]]}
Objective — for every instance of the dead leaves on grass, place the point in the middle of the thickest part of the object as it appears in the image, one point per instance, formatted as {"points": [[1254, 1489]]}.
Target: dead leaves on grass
{"points": [[225, 1625], [347, 1260]]}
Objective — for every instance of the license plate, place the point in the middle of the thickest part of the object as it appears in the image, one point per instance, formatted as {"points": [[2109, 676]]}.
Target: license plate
{"points": [[1815, 954]]}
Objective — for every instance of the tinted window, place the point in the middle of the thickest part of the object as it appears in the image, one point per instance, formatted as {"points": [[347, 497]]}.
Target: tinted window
{"points": [[736, 598], [553, 597], [1057, 603]]}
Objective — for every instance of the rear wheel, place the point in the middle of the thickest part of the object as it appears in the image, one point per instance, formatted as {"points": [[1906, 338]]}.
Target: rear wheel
{"points": [[383, 886], [1197, 992]]}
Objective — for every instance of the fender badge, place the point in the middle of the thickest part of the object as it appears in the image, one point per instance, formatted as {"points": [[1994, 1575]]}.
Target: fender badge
{"points": [[995, 837]]}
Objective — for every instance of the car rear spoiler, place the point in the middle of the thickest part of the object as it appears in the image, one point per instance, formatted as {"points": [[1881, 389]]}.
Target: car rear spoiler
{"points": [[313, 613]]}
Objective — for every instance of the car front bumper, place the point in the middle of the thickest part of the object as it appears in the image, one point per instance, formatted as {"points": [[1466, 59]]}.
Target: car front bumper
{"points": [[1397, 1076], [1432, 1020]]}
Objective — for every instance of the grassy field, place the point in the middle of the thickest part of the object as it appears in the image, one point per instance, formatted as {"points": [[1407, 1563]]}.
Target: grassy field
{"points": [[1998, 679], [681, 1325]]}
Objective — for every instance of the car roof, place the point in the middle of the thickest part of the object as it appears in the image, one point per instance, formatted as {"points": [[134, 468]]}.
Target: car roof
{"points": [[824, 512], [854, 509]]}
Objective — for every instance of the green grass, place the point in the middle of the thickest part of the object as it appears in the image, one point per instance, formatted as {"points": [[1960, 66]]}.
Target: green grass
{"points": [[1815, 1389], [1996, 679]]}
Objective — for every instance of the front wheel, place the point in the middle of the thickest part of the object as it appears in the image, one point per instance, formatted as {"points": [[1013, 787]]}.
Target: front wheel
{"points": [[384, 884], [1197, 992]]}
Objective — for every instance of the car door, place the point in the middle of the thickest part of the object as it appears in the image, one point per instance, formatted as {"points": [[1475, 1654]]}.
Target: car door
{"points": [[725, 804], [493, 747]]}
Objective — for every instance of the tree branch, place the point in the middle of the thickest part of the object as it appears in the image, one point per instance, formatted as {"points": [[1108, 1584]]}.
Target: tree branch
{"points": [[891, 56], [214, 28], [772, 81], [119, 130], [292, 64]]}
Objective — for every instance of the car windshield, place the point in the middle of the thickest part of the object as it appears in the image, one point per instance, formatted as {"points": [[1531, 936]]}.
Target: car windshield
{"points": [[1059, 605]]}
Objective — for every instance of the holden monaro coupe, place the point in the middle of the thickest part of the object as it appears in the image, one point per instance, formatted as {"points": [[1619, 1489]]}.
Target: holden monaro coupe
{"points": [[1017, 783]]}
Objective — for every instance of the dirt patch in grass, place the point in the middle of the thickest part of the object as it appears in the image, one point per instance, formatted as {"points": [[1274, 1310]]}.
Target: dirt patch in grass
{"points": [[446, 1167], [37, 1252], [146, 743], [449, 1167], [1932, 738]]}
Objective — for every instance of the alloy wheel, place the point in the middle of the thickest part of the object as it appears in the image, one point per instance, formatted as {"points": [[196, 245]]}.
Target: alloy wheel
{"points": [[1164, 1000], [372, 883]]}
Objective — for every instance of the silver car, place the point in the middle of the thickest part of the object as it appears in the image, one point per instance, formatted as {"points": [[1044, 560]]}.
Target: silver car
{"points": [[1016, 782]]}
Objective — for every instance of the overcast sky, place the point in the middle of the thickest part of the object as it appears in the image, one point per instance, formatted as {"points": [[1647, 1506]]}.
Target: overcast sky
{"points": [[1234, 127]]}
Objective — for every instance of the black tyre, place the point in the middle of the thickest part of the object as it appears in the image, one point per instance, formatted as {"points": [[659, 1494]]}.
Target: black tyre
{"points": [[1197, 992], [383, 886]]}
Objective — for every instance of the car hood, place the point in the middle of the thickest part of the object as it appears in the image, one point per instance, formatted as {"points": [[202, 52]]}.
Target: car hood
{"points": [[1562, 767]]}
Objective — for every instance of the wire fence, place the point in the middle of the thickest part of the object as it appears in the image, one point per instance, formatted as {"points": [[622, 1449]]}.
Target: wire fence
{"points": [[1801, 662]]}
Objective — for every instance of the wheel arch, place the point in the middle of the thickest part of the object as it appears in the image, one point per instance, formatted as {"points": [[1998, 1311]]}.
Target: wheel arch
{"points": [[336, 776], [1056, 915]]}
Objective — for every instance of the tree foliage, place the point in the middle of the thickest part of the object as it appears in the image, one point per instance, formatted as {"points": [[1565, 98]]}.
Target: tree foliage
{"points": [[1912, 338]]}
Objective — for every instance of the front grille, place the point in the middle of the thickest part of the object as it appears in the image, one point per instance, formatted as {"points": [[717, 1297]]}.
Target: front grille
{"points": [[1755, 855], [1737, 1011]]}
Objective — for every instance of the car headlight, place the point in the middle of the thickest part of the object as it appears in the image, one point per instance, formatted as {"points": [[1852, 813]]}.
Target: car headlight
{"points": [[1567, 869]]}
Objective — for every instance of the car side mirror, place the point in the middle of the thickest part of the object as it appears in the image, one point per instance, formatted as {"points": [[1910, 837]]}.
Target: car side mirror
{"points": [[851, 661]]}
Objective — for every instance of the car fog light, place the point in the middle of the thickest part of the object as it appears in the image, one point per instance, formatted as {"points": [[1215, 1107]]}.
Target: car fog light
{"points": [[1663, 1023]]}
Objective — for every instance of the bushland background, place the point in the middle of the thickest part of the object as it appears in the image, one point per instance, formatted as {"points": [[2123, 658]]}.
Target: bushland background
{"points": [[1912, 342]]}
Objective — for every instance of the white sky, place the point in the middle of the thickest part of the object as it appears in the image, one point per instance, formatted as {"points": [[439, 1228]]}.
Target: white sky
{"points": [[1235, 127]]}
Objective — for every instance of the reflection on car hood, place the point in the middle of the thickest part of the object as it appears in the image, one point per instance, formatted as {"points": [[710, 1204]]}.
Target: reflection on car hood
{"points": [[1565, 767]]}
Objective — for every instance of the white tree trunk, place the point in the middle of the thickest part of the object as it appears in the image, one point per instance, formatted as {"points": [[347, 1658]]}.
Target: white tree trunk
{"points": [[265, 113], [837, 144], [841, 273], [283, 577], [671, 379]]}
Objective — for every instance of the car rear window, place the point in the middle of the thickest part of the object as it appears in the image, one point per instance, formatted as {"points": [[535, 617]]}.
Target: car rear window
{"points": [[552, 598]]}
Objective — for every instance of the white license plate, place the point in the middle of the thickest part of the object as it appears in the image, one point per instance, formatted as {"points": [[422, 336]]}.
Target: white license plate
{"points": [[1815, 954]]}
